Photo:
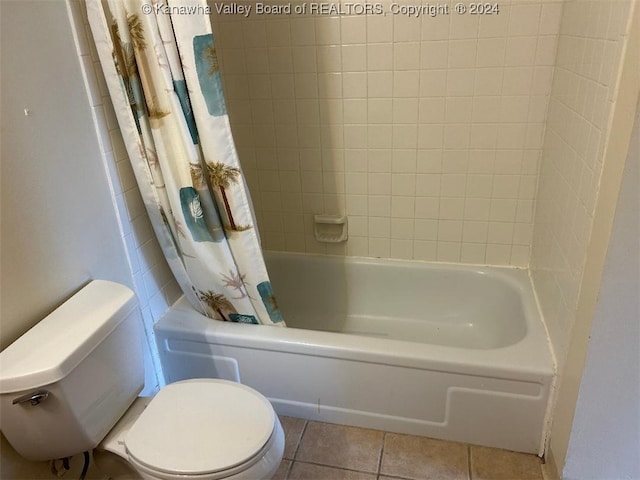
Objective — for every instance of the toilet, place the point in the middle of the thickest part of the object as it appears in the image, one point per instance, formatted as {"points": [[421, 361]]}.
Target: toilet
{"points": [[71, 384]]}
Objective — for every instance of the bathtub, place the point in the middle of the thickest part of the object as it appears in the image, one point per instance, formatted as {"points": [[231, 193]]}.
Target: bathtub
{"points": [[445, 351]]}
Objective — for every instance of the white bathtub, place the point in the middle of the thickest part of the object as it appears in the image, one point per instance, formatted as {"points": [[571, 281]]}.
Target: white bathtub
{"points": [[446, 351]]}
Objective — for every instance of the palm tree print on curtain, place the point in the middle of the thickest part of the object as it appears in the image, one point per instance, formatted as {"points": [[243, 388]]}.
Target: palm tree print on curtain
{"points": [[222, 309], [218, 305], [163, 78], [223, 177]]}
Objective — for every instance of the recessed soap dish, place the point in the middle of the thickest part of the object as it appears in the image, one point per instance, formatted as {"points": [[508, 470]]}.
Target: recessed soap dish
{"points": [[330, 228]]}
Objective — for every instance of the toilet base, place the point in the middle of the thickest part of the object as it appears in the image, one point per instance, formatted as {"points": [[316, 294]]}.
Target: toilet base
{"points": [[114, 467]]}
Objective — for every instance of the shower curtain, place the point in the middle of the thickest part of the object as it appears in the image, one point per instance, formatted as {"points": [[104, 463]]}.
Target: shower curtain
{"points": [[160, 65]]}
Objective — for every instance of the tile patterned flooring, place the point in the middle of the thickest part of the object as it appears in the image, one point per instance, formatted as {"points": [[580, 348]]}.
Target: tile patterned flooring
{"points": [[323, 451]]}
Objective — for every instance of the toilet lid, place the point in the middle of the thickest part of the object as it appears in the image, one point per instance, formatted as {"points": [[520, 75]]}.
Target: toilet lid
{"points": [[201, 426]]}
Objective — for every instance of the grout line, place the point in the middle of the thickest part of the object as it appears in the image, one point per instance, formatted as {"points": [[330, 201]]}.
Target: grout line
{"points": [[469, 461], [299, 442], [388, 475], [288, 472], [384, 437]]}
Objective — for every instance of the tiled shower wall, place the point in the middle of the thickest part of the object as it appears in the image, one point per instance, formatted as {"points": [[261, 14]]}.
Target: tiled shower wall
{"points": [[583, 96], [426, 131]]}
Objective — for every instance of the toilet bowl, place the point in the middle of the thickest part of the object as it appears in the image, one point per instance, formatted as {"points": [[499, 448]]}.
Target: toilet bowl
{"points": [[71, 384], [203, 429]]}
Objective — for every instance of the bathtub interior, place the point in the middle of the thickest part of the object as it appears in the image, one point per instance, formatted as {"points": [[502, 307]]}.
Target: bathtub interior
{"points": [[401, 300]]}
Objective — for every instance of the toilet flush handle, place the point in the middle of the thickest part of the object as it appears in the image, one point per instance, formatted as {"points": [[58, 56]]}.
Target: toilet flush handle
{"points": [[34, 398]]}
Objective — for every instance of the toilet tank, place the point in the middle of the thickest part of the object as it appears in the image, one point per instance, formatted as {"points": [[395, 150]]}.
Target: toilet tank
{"points": [[66, 382]]}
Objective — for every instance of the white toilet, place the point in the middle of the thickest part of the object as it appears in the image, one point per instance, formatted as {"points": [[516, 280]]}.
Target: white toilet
{"points": [[70, 385]]}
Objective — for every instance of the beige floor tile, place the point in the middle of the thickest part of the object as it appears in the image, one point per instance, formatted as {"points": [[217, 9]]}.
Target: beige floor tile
{"points": [[341, 446], [281, 473], [308, 471], [495, 464], [292, 430], [421, 458]]}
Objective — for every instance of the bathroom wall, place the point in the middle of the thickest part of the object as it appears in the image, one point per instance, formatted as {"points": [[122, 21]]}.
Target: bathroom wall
{"points": [[426, 131], [59, 226], [612, 360]]}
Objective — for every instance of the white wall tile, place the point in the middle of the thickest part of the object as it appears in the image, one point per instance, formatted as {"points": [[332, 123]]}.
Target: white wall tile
{"points": [[590, 42], [413, 119]]}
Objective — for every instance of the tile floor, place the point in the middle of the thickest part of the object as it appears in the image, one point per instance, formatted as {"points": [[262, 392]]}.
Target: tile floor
{"points": [[323, 451]]}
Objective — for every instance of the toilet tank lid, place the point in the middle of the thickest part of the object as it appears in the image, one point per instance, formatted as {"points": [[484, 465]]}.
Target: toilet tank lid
{"points": [[52, 348]]}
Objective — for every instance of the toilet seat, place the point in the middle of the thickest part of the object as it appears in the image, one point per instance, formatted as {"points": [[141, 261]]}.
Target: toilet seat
{"points": [[204, 428]]}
